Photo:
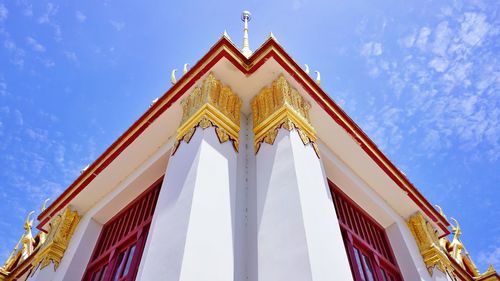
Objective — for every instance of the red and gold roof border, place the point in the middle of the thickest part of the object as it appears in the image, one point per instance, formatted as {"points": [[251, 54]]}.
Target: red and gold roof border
{"points": [[224, 48]]}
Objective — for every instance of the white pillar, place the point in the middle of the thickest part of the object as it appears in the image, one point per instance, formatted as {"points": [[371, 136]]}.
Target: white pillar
{"points": [[406, 252], [299, 236], [191, 236], [192, 233]]}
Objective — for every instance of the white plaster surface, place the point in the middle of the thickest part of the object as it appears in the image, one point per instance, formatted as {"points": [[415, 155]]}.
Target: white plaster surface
{"points": [[298, 233], [191, 236]]}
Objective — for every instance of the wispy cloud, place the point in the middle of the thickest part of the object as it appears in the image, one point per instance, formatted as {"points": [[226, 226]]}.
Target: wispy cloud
{"points": [[450, 83], [80, 17], [3, 87], [3, 12], [474, 28], [490, 256], [371, 49], [17, 54], [47, 18], [50, 11], [71, 56], [117, 25], [35, 45]]}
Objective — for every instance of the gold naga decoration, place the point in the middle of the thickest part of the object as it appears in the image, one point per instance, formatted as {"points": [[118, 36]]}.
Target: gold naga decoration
{"points": [[210, 104], [18, 255], [57, 240], [450, 257], [281, 106], [43, 248]]}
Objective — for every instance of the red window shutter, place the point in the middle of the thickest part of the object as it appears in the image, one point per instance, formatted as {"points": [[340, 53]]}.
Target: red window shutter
{"points": [[367, 245], [118, 250]]}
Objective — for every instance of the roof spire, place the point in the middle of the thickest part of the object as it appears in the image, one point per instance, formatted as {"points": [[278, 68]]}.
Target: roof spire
{"points": [[245, 17]]}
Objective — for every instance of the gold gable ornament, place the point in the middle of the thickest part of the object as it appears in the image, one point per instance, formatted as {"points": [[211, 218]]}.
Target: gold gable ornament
{"points": [[210, 105], [60, 231], [450, 257], [281, 106]]}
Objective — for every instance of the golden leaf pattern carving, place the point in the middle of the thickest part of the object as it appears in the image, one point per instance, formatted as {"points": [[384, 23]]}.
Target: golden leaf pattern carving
{"points": [[281, 106], [211, 104]]}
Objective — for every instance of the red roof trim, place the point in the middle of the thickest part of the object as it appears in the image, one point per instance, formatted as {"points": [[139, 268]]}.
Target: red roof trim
{"points": [[227, 50]]}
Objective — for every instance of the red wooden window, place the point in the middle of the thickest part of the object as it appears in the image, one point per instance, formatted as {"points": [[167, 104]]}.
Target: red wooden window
{"points": [[119, 248], [367, 246]]}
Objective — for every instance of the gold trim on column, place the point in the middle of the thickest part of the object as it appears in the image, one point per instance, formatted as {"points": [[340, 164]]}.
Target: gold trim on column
{"points": [[281, 106], [57, 240], [211, 104]]}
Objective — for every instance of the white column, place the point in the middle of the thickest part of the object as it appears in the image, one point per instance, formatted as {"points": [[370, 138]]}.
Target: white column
{"points": [[406, 252], [299, 236], [191, 235]]}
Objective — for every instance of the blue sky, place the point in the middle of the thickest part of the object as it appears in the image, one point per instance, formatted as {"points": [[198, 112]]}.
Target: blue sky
{"points": [[422, 78]]}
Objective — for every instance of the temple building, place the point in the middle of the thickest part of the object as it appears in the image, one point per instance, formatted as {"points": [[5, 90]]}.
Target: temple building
{"points": [[245, 169]]}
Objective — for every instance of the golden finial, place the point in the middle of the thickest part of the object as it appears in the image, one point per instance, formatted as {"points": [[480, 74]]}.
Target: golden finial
{"points": [[318, 77], [185, 70], [441, 211], [307, 68], [173, 80], [28, 223], [456, 229], [245, 17], [44, 205]]}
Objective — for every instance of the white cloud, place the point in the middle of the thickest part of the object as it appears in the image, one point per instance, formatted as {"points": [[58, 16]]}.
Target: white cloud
{"points": [[48, 63], [46, 18], [37, 47], [442, 39], [71, 56], [371, 49], [3, 12], [439, 64], [80, 17], [50, 11], [28, 10], [3, 87], [423, 37], [408, 40], [491, 256], [17, 54], [474, 28], [118, 25]]}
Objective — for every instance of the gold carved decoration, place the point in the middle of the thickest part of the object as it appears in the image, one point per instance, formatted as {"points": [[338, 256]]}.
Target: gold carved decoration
{"points": [[428, 244], [22, 251], [281, 106], [211, 104], [57, 240], [450, 257]]}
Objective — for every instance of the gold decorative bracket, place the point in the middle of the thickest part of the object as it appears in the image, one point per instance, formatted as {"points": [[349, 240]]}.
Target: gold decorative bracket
{"points": [[57, 240], [427, 240], [211, 104], [281, 106]]}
